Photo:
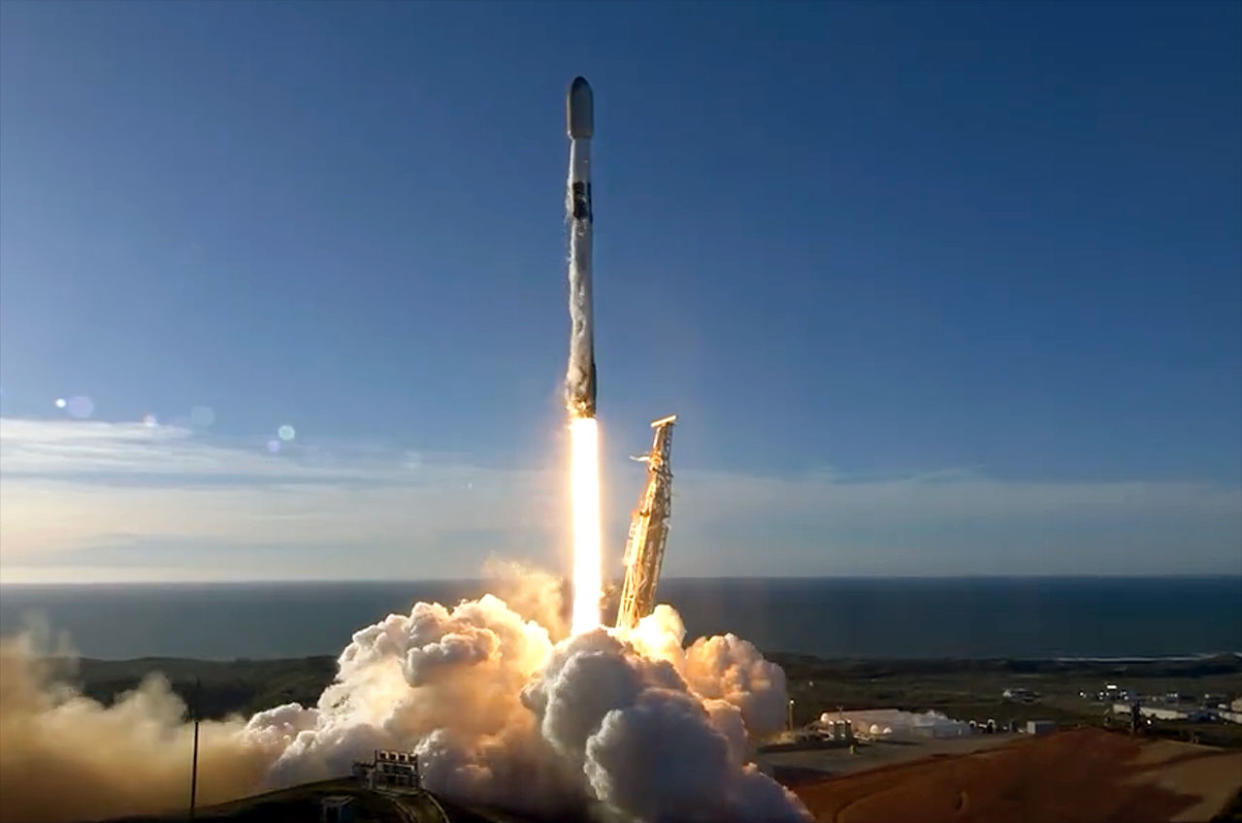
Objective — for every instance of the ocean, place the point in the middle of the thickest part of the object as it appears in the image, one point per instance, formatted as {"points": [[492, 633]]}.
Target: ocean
{"points": [[830, 617]]}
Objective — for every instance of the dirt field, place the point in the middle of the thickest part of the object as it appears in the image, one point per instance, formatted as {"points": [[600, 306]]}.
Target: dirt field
{"points": [[1079, 776]]}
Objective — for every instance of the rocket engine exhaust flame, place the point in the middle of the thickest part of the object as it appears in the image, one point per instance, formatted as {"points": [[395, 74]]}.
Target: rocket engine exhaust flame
{"points": [[588, 554]]}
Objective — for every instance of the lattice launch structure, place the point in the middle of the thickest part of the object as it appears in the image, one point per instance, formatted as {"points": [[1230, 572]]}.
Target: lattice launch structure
{"points": [[644, 548]]}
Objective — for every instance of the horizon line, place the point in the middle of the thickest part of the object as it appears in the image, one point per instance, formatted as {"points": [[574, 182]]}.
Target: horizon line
{"points": [[484, 579]]}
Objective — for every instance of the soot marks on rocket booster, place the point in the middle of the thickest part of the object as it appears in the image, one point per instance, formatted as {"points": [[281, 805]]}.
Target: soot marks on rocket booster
{"points": [[581, 209]]}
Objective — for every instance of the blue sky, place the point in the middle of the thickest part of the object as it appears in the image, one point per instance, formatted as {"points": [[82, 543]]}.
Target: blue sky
{"points": [[935, 288]]}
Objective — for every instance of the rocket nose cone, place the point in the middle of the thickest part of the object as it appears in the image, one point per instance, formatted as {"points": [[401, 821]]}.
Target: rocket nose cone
{"points": [[580, 109]]}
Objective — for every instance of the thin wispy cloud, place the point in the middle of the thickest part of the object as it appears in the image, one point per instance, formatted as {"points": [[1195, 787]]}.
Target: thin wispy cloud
{"points": [[121, 452], [961, 523], [99, 500], [76, 493]]}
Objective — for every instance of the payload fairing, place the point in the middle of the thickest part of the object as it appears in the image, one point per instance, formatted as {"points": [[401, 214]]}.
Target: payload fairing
{"points": [[580, 376]]}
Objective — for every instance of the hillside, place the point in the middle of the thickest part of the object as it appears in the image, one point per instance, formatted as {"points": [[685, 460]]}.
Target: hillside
{"points": [[1078, 776]]}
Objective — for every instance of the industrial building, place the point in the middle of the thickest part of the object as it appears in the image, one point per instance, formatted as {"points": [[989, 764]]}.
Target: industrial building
{"points": [[828, 730], [897, 724], [389, 770]]}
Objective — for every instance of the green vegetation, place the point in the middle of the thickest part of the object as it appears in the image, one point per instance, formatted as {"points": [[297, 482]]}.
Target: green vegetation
{"points": [[227, 687]]}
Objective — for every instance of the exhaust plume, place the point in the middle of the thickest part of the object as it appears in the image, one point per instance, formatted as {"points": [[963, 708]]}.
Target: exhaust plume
{"points": [[636, 725], [533, 593], [612, 725], [66, 757]]}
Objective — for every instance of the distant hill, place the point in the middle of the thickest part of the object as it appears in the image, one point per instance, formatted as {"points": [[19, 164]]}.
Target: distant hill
{"points": [[227, 687], [1078, 776]]}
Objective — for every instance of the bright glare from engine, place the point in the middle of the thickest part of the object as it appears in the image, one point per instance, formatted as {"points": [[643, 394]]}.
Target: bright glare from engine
{"points": [[584, 493]]}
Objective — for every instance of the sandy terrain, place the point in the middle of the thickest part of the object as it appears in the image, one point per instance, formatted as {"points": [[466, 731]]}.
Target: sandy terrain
{"points": [[1080, 776]]}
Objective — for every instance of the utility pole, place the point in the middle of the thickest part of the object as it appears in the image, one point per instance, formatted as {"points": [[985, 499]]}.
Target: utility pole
{"points": [[194, 713]]}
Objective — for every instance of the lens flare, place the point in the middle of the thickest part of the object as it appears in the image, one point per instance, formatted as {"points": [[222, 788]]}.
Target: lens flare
{"points": [[584, 492]]}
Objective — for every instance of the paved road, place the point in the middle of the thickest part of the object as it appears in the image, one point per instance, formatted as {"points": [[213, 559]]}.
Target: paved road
{"points": [[795, 766], [418, 807]]}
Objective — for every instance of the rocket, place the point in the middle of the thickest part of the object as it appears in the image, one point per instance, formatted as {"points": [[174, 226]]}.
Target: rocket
{"points": [[580, 376]]}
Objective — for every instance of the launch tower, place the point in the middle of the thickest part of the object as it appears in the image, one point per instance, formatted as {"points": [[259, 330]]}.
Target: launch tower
{"points": [[644, 549]]}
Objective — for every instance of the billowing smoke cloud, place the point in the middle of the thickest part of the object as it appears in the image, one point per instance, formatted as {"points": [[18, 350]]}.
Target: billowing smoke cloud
{"points": [[633, 727], [650, 747], [533, 593], [64, 756], [445, 682], [723, 667], [498, 714]]}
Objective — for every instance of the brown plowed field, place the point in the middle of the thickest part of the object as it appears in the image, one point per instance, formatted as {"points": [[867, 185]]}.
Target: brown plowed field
{"points": [[1079, 776]]}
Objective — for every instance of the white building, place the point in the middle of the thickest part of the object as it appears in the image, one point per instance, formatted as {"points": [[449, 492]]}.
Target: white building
{"points": [[898, 724]]}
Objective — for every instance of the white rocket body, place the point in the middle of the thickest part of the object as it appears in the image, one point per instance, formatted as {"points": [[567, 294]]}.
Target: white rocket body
{"points": [[580, 376]]}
